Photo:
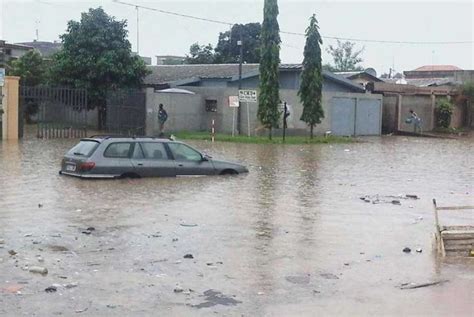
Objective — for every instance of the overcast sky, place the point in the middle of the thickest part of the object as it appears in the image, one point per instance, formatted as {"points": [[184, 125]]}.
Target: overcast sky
{"points": [[162, 34]]}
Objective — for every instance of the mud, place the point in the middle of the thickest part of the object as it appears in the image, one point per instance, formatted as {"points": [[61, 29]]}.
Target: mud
{"points": [[292, 237]]}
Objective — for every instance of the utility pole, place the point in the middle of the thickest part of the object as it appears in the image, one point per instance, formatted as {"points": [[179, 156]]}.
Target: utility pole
{"points": [[239, 111], [138, 32]]}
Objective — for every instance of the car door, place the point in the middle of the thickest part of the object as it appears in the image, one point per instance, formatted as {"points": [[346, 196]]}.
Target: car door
{"points": [[189, 161], [152, 159], [116, 159]]}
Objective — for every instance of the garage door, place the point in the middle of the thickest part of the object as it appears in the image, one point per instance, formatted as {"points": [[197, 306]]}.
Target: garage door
{"points": [[368, 117], [342, 116], [356, 116]]}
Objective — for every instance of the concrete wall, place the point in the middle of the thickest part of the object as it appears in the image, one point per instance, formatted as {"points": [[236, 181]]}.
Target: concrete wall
{"points": [[396, 109], [389, 114], [187, 112]]}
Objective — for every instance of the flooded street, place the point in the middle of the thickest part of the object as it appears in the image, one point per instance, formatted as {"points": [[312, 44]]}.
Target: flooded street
{"points": [[291, 238]]}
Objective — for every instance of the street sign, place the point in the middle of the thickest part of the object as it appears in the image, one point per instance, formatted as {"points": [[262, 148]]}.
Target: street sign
{"points": [[233, 101], [247, 95], [2, 77]]}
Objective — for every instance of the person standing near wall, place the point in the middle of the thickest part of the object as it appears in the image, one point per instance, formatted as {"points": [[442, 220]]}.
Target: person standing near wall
{"points": [[416, 121], [162, 117]]}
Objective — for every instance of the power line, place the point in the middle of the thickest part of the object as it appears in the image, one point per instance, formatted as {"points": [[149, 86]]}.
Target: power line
{"points": [[296, 33]]}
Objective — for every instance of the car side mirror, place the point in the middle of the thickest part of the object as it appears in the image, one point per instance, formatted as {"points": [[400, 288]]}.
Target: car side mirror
{"points": [[206, 157]]}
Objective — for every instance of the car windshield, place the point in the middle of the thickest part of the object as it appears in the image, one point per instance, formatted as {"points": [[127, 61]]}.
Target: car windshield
{"points": [[84, 148]]}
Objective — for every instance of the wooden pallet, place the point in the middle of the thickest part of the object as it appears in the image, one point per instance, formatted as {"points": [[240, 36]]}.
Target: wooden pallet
{"points": [[454, 240]]}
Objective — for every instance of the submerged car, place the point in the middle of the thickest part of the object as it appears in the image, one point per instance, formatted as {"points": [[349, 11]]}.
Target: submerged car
{"points": [[134, 157]]}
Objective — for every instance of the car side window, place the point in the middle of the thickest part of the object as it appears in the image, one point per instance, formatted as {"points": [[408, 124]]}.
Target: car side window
{"points": [[118, 150], [137, 152], [154, 151], [183, 152]]}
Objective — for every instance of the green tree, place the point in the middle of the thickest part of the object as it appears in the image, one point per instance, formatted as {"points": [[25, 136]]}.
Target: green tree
{"points": [[97, 55], [444, 112], [345, 57], [311, 78], [227, 50], [467, 92], [200, 54], [269, 99], [30, 68]]}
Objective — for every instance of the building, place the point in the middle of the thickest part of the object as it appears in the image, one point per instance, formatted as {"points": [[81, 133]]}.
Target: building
{"points": [[431, 75], [46, 49], [11, 52], [362, 78], [170, 60], [349, 110]]}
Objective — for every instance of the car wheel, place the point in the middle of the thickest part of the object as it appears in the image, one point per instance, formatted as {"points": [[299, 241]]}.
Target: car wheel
{"points": [[130, 175], [229, 172]]}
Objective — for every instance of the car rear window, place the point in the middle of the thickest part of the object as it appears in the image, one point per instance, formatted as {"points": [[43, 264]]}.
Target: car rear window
{"points": [[154, 150], [84, 148]]}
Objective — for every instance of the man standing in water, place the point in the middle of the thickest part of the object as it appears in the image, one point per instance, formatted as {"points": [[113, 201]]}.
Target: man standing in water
{"points": [[162, 117]]}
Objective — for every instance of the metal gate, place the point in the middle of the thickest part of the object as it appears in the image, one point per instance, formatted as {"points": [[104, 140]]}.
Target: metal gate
{"points": [[60, 112], [356, 116], [126, 112]]}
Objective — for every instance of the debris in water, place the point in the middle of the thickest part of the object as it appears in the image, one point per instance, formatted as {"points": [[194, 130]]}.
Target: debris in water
{"points": [[178, 289], [412, 196], [329, 276], [86, 232], [347, 150], [90, 229], [396, 202], [40, 259], [407, 250], [40, 205], [419, 250], [188, 225], [39, 270], [12, 252], [188, 256], [13, 289], [260, 293], [413, 286], [51, 289], [2, 241], [81, 310], [70, 285], [28, 235]]}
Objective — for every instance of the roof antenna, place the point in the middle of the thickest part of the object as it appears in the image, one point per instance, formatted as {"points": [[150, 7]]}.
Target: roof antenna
{"points": [[37, 22]]}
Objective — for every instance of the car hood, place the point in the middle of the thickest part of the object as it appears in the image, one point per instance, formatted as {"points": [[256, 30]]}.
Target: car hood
{"points": [[220, 164]]}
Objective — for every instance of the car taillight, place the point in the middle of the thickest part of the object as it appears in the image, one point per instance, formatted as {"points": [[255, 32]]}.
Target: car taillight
{"points": [[87, 166]]}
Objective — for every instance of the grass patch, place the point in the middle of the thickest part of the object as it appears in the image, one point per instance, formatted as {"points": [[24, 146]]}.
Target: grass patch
{"points": [[205, 136], [449, 130]]}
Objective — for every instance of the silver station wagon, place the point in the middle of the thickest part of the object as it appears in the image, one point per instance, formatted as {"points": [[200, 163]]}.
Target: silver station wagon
{"points": [[122, 157]]}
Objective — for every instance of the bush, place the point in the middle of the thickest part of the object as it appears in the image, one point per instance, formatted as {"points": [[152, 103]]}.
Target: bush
{"points": [[444, 111]]}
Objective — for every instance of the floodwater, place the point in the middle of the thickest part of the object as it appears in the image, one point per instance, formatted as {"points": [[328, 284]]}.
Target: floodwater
{"points": [[291, 238]]}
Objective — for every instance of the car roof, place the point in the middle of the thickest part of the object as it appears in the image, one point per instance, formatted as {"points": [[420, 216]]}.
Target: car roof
{"points": [[117, 138]]}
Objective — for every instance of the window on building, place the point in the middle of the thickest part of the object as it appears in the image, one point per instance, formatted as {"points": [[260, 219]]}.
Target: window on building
{"points": [[211, 105]]}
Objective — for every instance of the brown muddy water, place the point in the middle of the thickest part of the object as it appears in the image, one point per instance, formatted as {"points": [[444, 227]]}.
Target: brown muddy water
{"points": [[291, 238]]}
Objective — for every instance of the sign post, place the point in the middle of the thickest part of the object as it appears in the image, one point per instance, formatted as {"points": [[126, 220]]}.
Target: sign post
{"points": [[233, 103], [247, 95]]}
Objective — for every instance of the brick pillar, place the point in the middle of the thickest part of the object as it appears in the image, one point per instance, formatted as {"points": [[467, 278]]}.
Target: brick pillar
{"points": [[10, 108]]}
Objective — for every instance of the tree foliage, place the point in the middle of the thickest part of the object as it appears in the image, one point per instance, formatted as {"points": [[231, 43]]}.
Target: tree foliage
{"points": [[269, 99], [30, 68], [227, 50], [310, 92], [200, 54], [345, 57], [444, 111], [97, 55]]}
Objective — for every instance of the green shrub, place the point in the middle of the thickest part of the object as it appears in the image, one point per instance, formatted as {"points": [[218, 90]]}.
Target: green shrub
{"points": [[444, 111]]}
